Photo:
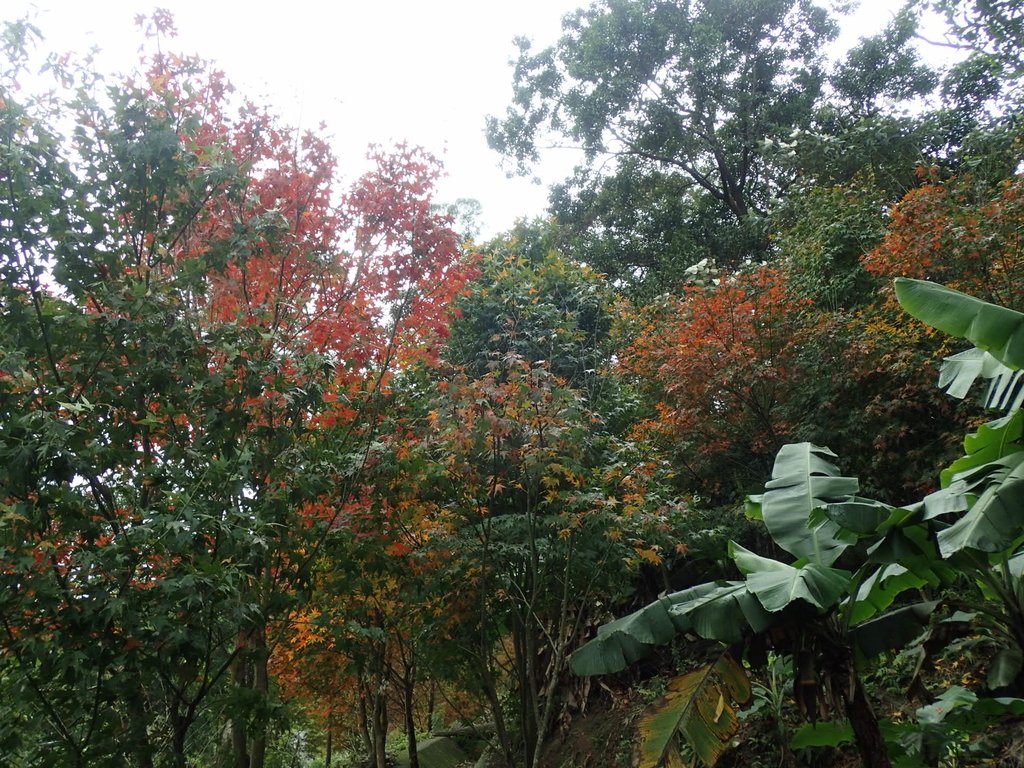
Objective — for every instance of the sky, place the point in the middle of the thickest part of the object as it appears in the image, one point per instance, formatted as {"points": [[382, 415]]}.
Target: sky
{"points": [[374, 71]]}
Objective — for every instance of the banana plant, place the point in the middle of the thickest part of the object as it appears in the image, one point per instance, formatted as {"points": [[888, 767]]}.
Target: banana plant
{"points": [[978, 513], [829, 619]]}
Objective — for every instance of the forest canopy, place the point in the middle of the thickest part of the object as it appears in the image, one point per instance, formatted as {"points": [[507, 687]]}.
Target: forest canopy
{"points": [[294, 471]]}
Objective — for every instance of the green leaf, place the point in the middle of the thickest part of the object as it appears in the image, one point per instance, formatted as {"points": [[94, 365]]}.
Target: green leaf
{"points": [[778, 585], [991, 441], [803, 480], [1005, 391], [1005, 667], [752, 507], [862, 517], [997, 330], [881, 589], [699, 706], [953, 698], [621, 642], [824, 734], [892, 630], [724, 614], [996, 520]]}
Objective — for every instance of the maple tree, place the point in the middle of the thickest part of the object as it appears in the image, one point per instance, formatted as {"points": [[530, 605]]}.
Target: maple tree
{"points": [[197, 338], [964, 231], [548, 507], [719, 362]]}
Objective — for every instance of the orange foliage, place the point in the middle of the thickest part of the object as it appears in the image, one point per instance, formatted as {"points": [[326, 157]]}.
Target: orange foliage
{"points": [[721, 361], [960, 233]]}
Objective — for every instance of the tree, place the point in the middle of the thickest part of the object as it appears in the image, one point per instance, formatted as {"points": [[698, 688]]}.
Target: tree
{"points": [[991, 34], [719, 363], [695, 87], [964, 231], [196, 339], [548, 507], [644, 227]]}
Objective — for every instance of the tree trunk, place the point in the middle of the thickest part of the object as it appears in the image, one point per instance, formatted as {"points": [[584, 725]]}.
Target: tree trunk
{"points": [[862, 719], [500, 729], [379, 729], [431, 704], [330, 743], [137, 725], [179, 727], [364, 719], [262, 685], [408, 691], [240, 678]]}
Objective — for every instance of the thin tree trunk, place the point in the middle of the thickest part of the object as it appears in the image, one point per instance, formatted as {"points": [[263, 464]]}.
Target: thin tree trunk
{"points": [[179, 726], [431, 704], [380, 729], [262, 685], [139, 732], [525, 651], [239, 676], [500, 729], [409, 704], [364, 719], [866, 732], [330, 743]]}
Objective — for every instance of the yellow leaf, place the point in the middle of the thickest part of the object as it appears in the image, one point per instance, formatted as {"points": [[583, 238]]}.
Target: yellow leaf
{"points": [[649, 555]]}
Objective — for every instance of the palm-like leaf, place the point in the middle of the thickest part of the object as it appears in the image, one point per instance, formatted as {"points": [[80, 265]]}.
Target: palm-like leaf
{"points": [[995, 521], [991, 442], [804, 480], [995, 329], [778, 585], [1005, 391], [699, 706], [626, 640], [892, 630]]}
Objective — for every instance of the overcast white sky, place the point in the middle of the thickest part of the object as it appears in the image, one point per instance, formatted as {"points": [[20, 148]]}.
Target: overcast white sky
{"points": [[375, 71]]}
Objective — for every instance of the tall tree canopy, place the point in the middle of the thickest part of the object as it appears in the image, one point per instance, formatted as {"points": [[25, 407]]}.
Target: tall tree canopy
{"points": [[695, 86], [197, 328]]}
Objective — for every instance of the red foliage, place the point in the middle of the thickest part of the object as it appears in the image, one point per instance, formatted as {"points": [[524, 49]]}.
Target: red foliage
{"points": [[960, 233], [722, 361]]}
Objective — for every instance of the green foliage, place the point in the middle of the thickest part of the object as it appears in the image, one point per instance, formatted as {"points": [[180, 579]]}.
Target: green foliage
{"points": [[684, 86], [992, 33], [533, 304], [992, 328], [822, 236], [803, 479], [883, 68], [548, 508], [644, 227]]}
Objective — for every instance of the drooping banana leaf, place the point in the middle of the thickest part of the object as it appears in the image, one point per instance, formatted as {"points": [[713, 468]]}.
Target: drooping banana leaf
{"points": [[892, 630], [878, 592], [997, 330], [803, 480], [996, 520], [1005, 391], [700, 707], [778, 585], [726, 613], [866, 518], [624, 641]]}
